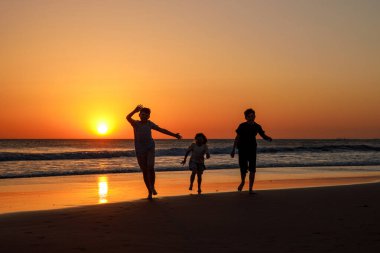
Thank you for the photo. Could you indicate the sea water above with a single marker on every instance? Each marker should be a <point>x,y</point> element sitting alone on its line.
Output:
<point>40,158</point>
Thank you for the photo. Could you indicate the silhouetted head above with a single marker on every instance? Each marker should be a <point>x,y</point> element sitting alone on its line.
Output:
<point>200,139</point>
<point>144,114</point>
<point>250,114</point>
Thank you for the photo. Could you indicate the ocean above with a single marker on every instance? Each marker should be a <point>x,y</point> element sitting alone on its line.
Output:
<point>42,158</point>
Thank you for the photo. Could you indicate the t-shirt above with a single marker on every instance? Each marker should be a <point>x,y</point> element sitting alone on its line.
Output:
<point>247,135</point>
<point>143,135</point>
<point>198,152</point>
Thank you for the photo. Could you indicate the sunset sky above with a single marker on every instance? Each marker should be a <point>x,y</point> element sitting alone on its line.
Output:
<point>310,69</point>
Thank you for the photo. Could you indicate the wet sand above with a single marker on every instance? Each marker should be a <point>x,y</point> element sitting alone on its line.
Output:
<point>30,194</point>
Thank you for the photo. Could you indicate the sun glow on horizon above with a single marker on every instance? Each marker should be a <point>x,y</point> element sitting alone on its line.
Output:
<point>102,128</point>
<point>102,125</point>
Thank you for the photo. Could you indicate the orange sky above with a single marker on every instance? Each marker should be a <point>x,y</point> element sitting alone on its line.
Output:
<point>310,69</point>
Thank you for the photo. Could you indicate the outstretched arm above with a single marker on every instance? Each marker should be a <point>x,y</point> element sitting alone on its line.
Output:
<point>184,159</point>
<point>207,152</point>
<point>234,147</point>
<point>129,116</point>
<point>265,137</point>
<point>167,132</point>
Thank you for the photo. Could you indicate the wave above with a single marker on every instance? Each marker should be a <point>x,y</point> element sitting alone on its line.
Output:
<point>18,156</point>
<point>321,148</point>
<point>14,156</point>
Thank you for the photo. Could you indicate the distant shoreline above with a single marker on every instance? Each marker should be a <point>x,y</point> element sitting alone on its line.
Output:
<point>182,169</point>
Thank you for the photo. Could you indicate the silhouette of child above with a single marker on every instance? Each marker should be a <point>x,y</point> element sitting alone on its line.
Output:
<point>246,143</point>
<point>145,146</point>
<point>198,150</point>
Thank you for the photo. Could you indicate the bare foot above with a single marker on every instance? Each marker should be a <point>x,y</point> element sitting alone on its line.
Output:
<point>199,191</point>
<point>191,188</point>
<point>252,192</point>
<point>154,191</point>
<point>240,187</point>
<point>150,196</point>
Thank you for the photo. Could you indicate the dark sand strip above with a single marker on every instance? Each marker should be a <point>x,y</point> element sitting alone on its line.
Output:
<point>325,219</point>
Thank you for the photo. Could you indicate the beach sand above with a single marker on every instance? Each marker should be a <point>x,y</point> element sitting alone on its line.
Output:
<point>320,219</point>
<point>324,219</point>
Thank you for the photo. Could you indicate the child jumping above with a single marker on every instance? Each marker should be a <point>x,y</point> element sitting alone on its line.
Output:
<point>246,143</point>
<point>145,146</point>
<point>197,162</point>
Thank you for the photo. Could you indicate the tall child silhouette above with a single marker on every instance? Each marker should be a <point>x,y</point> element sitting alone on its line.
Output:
<point>145,146</point>
<point>246,143</point>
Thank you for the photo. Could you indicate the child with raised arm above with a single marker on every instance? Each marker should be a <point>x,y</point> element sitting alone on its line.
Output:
<point>246,143</point>
<point>145,146</point>
<point>198,150</point>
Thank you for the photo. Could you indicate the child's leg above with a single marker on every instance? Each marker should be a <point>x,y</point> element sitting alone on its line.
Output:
<point>242,175</point>
<point>152,176</point>
<point>199,177</point>
<point>243,164</point>
<point>251,181</point>
<point>142,161</point>
<point>151,172</point>
<point>192,177</point>
<point>252,171</point>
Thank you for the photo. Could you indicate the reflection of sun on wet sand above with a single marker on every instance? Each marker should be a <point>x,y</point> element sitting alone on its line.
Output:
<point>103,189</point>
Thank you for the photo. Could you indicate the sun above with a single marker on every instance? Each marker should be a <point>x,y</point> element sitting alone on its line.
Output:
<point>102,128</point>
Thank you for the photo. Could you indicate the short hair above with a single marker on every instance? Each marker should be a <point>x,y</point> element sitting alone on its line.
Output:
<point>249,111</point>
<point>145,110</point>
<point>202,136</point>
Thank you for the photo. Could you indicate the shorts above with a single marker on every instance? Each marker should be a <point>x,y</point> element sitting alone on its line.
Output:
<point>247,161</point>
<point>196,167</point>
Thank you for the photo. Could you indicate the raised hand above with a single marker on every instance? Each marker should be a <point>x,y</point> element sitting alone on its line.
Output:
<point>178,136</point>
<point>138,108</point>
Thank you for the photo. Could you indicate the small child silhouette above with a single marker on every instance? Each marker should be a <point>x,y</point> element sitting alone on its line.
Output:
<point>198,150</point>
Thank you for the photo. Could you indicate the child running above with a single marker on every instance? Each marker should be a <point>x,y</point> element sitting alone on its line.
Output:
<point>246,143</point>
<point>145,146</point>
<point>197,161</point>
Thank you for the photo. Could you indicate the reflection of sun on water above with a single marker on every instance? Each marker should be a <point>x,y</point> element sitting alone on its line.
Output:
<point>103,189</point>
